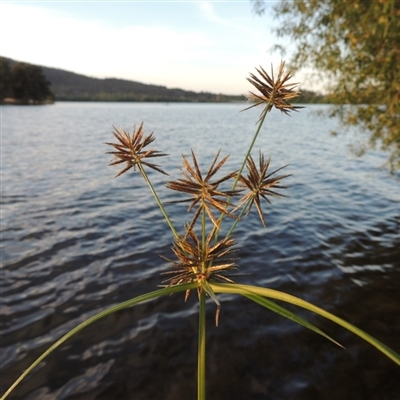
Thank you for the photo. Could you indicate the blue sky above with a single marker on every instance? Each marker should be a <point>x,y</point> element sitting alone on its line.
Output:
<point>194,45</point>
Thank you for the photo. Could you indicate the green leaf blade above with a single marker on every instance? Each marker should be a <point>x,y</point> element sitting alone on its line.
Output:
<point>91,320</point>
<point>277,295</point>
<point>289,315</point>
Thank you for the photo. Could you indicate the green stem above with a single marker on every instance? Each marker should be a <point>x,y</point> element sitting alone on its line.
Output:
<point>264,113</point>
<point>260,124</point>
<point>201,356</point>
<point>160,204</point>
<point>203,239</point>
<point>244,209</point>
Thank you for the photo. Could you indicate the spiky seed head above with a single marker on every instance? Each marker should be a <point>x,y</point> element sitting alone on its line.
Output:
<point>205,191</point>
<point>195,262</point>
<point>261,184</point>
<point>131,149</point>
<point>273,92</point>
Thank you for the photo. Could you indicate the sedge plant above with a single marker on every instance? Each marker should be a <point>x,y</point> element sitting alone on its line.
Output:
<point>204,258</point>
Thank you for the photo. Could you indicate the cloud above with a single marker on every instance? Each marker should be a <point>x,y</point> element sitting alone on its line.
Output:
<point>236,23</point>
<point>213,56</point>
<point>209,13</point>
<point>51,38</point>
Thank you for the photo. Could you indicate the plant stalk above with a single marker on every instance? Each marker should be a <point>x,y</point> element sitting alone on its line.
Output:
<point>264,113</point>
<point>260,124</point>
<point>160,204</point>
<point>201,355</point>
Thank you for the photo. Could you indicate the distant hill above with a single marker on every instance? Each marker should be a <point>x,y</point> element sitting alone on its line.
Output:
<point>69,86</point>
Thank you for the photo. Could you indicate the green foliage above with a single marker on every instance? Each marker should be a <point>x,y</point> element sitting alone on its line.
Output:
<point>310,97</point>
<point>5,79</point>
<point>355,46</point>
<point>29,83</point>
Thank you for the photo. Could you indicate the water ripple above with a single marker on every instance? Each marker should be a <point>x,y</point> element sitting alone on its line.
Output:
<point>76,241</point>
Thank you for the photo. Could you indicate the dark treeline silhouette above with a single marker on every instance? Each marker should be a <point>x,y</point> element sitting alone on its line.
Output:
<point>23,83</point>
<point>74,87</point>
<point>69,86</point>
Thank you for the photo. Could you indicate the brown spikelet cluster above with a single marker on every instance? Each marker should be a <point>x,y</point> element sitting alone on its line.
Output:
<point>205,192</point>
<point>260,183</point>
<point>196,263</point>
<point>208,258</point>
<point>273,92</point>
<point>131,149</point>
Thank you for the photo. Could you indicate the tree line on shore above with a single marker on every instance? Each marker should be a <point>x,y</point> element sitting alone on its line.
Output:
<point>27,83</point>
<point>23,83</point>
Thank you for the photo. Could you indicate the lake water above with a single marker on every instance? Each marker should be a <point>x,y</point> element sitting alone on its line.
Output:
<point>75,241</point>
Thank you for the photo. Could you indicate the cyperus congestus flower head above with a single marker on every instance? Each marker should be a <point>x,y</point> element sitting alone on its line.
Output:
<point>273,91</point>
<point>196,262</point>
<point>201,261</point>
<point>204,191</point>
<point>132,149</point>
<point>261,184</point>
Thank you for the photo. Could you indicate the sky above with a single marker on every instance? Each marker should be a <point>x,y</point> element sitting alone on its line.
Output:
<point>193,45</point>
